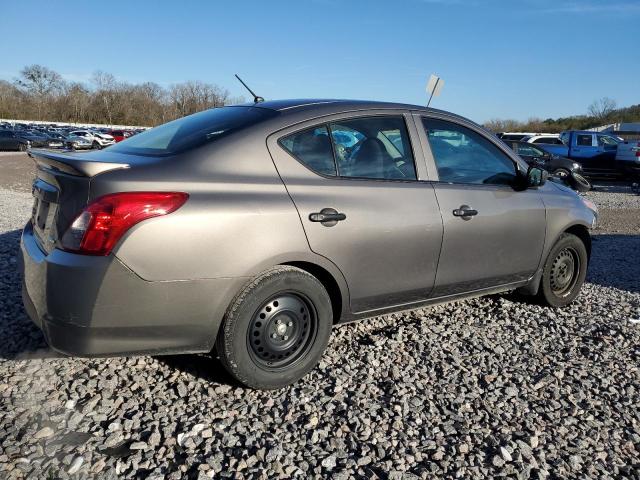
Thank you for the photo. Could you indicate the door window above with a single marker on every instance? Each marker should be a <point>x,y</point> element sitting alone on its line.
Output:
<point>548,140</point>
<point>312,147</point>
<point>529,150</point>
<point>584,140</point>
<point>464,156</point>
<point>374,147</point>
<point>605,140</point>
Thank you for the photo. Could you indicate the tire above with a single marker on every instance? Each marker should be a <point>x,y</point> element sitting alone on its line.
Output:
<point>579,183</point>
<point>96,145</point>
<point>22,147</point>
<point>564,272</point>
<point>286,302</point>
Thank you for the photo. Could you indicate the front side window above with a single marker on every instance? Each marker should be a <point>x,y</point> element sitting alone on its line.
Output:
<point>465,156</point>
<point>371,147</point>
<point>606,140</point>
<point>529,150</point>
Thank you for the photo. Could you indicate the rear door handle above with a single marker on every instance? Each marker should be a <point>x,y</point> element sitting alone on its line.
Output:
<point>327,216</point>
<point>465,211</point>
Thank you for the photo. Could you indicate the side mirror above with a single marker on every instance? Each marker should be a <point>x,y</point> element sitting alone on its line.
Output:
<point>536,177</point>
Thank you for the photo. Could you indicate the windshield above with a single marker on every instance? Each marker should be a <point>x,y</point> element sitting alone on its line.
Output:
<point>193,131</point>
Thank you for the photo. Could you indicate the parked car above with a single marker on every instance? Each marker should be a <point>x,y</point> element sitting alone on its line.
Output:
<point>76,142</point>
<point>9,140</point>
<point>36,140</point>
<point>628,159</point>
<point>545,139</point>
<point>55,139</point>
<point>249,230</point>
<point>119,135</point>
<point>514,136</point>
<point>595,151</point>
<point>98,140</point>
<point>567,170</point>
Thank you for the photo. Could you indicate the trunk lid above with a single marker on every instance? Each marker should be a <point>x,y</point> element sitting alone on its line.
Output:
<point>61,190</point>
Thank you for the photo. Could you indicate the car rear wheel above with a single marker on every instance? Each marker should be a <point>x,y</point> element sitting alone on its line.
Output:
<point>276,329</point>
<point>22,147</point>
<point>96,145</point>
<point>564,271</point>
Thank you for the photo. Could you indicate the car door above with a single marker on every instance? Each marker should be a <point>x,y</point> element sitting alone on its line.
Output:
<point>493,234</point>
<point>584,148</point>
<point>357,189</point>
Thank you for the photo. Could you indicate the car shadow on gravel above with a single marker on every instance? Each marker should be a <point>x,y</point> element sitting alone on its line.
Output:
<point>615,262</point>
<point>19,337</point>
<point>205,366</point>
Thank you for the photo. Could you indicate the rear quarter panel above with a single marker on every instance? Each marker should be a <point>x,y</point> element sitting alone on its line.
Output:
<point>237,222</point>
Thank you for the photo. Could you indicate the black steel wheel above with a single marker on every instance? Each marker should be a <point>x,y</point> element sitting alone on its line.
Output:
<point>282,330</point>
<point>564,271</point>
<point>276,328</point>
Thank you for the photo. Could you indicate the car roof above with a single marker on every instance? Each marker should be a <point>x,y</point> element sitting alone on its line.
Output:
<point>315,107</point>
<point>338,105</point>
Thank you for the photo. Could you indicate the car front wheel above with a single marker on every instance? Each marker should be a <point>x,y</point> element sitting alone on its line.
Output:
<point>564,271</point>
<point>276,329</point>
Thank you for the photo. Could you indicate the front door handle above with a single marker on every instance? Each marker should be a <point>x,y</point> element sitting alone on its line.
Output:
<point>465,212</point>
<point>327,216</point>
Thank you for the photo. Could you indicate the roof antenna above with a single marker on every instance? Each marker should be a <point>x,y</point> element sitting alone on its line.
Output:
<point>256,98</point>
<point>434,87</point>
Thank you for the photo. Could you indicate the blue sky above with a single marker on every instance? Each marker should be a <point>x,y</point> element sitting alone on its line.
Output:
<point>499,59</point>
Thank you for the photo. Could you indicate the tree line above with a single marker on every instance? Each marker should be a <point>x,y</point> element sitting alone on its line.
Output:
<point>40,93</point>
<point>600,112</point>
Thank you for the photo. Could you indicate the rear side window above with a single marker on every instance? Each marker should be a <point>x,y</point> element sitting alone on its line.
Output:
<point>375,147</point>
<point>584,140</point>
<point>313,148</point>
<point>193,131</point>
<point>464,156</point>
<point>371,147</point>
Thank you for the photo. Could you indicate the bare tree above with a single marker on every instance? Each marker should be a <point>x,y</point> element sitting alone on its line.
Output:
<point>41,92</point>
<point>602,109</point>
<point>40,82</point>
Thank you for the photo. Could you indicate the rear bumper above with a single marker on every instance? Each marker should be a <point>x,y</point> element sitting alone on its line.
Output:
<point>96,306</point>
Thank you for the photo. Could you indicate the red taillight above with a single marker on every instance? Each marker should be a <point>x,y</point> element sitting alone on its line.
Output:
<point>105,220</point>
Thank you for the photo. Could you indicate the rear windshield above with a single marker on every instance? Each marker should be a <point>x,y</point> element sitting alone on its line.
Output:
<point>193,131</point>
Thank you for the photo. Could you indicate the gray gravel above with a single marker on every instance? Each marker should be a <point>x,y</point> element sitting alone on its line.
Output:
<point>489,387</point>
<point>614,196</point>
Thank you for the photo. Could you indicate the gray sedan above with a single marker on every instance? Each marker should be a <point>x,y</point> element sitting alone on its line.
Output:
<point>251,230</point>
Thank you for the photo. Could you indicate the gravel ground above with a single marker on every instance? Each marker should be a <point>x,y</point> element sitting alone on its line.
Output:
<point>490,387</point>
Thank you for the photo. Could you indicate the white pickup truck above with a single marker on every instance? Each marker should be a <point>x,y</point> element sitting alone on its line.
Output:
<point>628,159</point>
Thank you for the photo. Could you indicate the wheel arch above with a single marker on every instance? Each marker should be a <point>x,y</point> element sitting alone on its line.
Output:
<point>328,281</point>
<point>582,233</point>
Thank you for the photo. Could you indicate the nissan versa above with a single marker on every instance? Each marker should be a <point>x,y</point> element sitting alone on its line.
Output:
<point>250,230</point>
